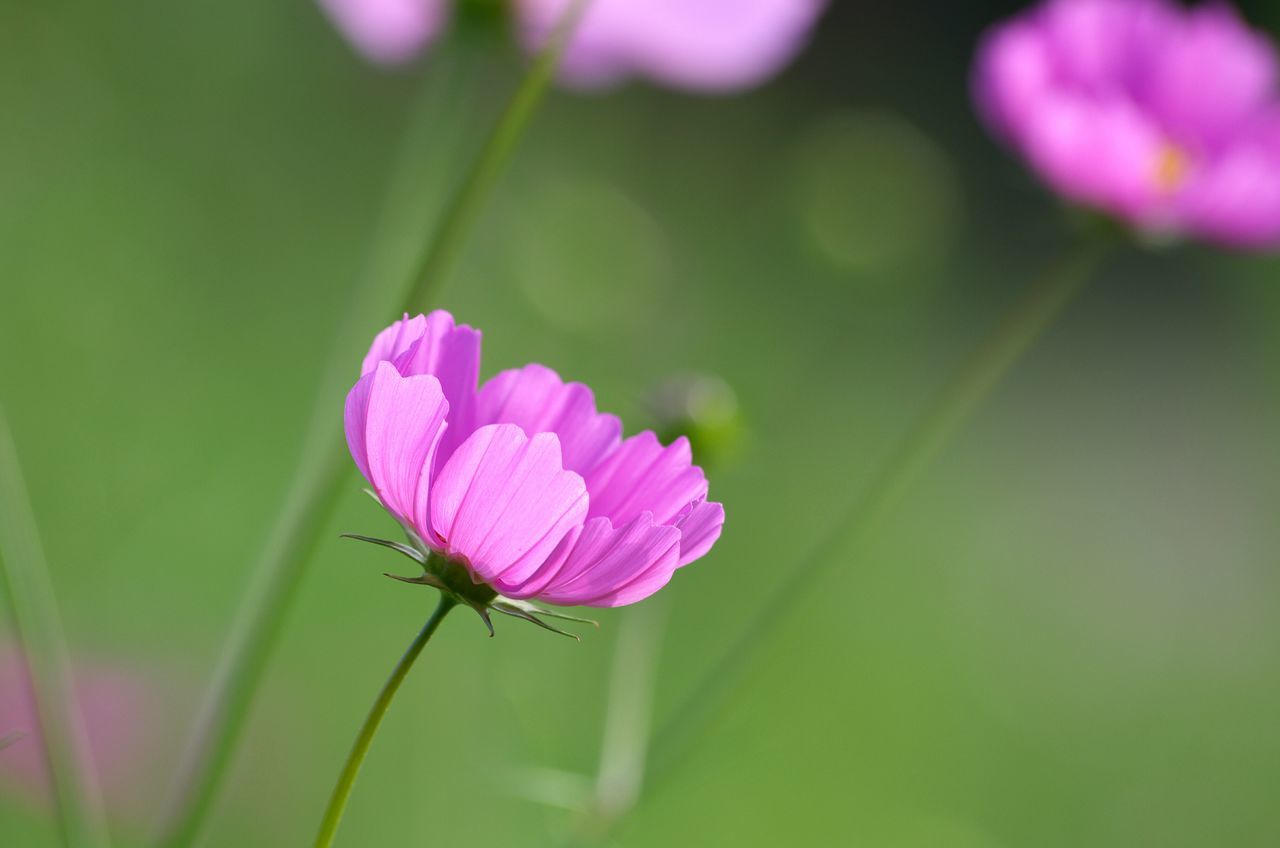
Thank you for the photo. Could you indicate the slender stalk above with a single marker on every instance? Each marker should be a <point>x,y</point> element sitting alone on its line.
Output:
<point>81,815</point>
<point>625,743</point>
<point>317,485</point>
<point>932,432</point>
<point>492,160</point>
<point>626,728</point>
<point>351,769</point>
<point>1025,322</point>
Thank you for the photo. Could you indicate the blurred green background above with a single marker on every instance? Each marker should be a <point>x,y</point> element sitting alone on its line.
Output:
<point>1068,635</point>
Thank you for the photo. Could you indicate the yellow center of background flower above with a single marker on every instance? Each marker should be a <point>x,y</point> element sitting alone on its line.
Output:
<point>1171,168</point>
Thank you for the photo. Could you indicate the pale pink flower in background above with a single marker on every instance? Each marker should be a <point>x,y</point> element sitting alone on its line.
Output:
<point>388,31</point>
<point>123,713</point>
<point>1164,116</point>
<point>704,45</point>
<point>521,482</point>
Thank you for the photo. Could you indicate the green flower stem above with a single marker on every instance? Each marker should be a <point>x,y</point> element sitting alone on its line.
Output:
<point>29,588</point>
<point>626,726</point>
<point>317,484</point>
<point>321,477</point>
<point>492,160</point>
<point>351,769</point>
<point>944,418</point>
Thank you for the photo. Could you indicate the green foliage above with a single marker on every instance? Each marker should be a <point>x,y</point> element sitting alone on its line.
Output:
<point>1067,635</point>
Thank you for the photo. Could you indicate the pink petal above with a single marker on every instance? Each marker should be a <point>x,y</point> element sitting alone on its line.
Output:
<point>434,344</point>
<point>1101,46</point>
<point>596,566</point>
<point>451,353</point>
<point>642,475</point>
<point>709,45</point>
<point>1210,75</point>
<point>354,415</point>
<point>123,707</point>
<point>638,589</point>
<point>431,344</point>
<point>600,566</point>
<point>699,530</point>
<point>1103,152</point>
<point>393,341</point>
<point>387,31</point>
<point>1013,70</point>
<point>503,502</point>
<point>535,399</point>
<point>1235,199</point>
<point>1143,109</point>
<point>393,425</point>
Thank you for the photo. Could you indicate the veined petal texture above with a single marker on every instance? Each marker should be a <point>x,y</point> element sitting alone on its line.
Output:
<point>504,501</point>
<point>393,426</point>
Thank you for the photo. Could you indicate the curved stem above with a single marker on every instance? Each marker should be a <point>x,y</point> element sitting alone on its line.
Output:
<point>351,769</point>
<point>951,409</point>
<point>626,725</point>
<point>318,483</point>
<point>38,623</point>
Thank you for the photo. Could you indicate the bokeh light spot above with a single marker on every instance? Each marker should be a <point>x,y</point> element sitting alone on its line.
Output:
<point>875,193</point>
<point>588,257</point>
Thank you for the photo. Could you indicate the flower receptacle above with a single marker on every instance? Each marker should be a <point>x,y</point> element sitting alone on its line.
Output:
<point>454,580</point>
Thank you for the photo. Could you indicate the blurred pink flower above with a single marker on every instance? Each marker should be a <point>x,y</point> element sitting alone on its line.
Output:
<point>1165,117</point>
<point>388,31</point>
<point>706,45</point>
<point>522,482</point>
<point>123,719</point>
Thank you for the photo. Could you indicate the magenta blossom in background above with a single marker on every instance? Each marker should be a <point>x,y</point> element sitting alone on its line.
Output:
<point>389,31</point>
<point>123,711</point>
<point>521,482</point>
<point>705,45</point>
<point>1164,116</point>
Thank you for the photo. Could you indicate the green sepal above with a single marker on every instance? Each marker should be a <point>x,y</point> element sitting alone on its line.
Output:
<point>453,579</point>
<point>550,613</point>
<point>517,612</point>
<point>412,553</point>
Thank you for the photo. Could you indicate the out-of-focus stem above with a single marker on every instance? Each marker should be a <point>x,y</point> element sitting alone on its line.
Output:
<point>322,471</point>
<point>627,718</point>
<point>950,410</point>
<point>351,769</point>
<point>942,420</point>
<point>34,607</point>
<point>491,161</point>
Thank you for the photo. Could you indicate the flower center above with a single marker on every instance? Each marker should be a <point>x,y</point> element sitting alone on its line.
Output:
<point>1171,168</point>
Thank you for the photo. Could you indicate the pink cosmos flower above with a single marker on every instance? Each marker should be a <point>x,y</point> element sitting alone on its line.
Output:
<point>1163,116</point>
<point>124,721</point>
<point>522,482</point>
<point>706,45</point>
<point>388,31</point>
